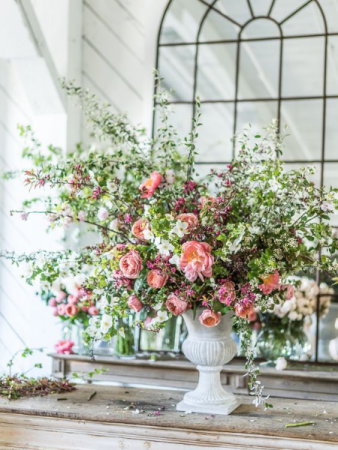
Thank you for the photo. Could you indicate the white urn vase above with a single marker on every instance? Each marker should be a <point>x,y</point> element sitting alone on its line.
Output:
<point>209,348</point>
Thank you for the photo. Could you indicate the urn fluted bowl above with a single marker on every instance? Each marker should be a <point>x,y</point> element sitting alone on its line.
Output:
<point>209,348</point>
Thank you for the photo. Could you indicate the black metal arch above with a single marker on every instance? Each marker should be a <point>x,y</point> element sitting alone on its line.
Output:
<point>239,41</point>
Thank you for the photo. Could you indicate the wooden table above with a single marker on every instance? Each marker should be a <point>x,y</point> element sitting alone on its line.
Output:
<point>300,380</point>
<point>109,421</point>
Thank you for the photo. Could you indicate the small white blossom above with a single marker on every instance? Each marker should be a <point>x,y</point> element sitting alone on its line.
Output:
<point>164,247</point>
<point>281,363</point>
<point>162,316</point>
<point>175,260</point>
<point>106,323</point>
<point>180,228</point>
<point>148,234</point>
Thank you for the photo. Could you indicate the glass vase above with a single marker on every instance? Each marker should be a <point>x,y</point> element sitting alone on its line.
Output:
<point>283,340</point>
<point>73,332</point>
<point>125,346</point>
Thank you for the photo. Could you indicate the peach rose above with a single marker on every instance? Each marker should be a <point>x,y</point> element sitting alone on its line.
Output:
<point>149,186</point>
<point>138,228</point>
<point>196,260</point>
<point>190,219</point>
<point>156,279</point>
<point>270,282</point>
<point>52,301</point>
<point>134,303</point>
<point>93,311</point>
<point>245,311</point>
<point>208,199</point>
<point>131,264</point>
<point>71,310</point>
<point>72,299</point>
<point>175,305</point>
<point>61,309</point>
<point>290,290</point>
<point>61,296</point>
<point>210,318</point>
<point>64,347</point>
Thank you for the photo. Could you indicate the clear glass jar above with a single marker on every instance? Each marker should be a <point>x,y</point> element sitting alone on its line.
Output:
<point>125,346</point>
<point>288,340</point>
<point>73,332</point>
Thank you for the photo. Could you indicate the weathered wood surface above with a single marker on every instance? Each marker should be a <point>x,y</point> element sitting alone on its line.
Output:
<point>300,381</point>
<point>109,421</point>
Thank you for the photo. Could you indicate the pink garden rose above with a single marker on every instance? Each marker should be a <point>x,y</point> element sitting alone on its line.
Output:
<point>72,299</point>
<point>93,311</point>
<point>210,318</point>
<point>52,301</point>
<point>190,219</point>
<point>55,312</point>
<point>71,310</point>
<point>290,290</point>
<point>61,296</point>
<point>270,282</point>
<point>208,199</point>
<point>61,309</point>
<point>149,186</point>
<point>138,228</point>
<point>156,279</point>
<point>134,303</point>
<point>227,293</point>
<point>245,311</point>
<point>196,260</point>
<point>175,305</point>
<point>131,264</point>
<point>64,347</point>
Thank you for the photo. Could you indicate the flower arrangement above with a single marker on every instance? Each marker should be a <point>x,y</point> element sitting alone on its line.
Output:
<point>71,302</point>
<point>172,241</point>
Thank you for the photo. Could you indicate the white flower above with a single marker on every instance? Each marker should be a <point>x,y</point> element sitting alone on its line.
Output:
<point>164,247</point>
<point>103,213</point>
<point>175,260</point>
<point>158,306</point>
<point>327,206</point>
<point>106,323</point>
<point>162,316</point>
<point>146,210</point>
<point>91,331</point>
<point>170,176</point>
<point>293,315</point>
<point>26,270</point>
<point>274,185</point>
<point>114,224</point>
<point>148,234</point>
<point>281,363</point>
<point>180,228</point>
<point>255,230</point>
<point>235,246</point>
<point>111,186</point>
<point>93,321</point>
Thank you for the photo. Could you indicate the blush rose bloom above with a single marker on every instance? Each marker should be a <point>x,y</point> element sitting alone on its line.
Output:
<point>290,290</point>
<point>138,228</point>
<point>131,264</point>
<point>134,303</point>
<point>196,260</point>
<point>210,318</point>
<point>245,311</point>
<point>156,279</point>
<point>175,305</point>
<point>64,347</point>
<point>93,311</point>
<point>270,282</point>
<point>149,186</point>
<point>71,310</point>
<point>61,309</point>
<point>190,219</point>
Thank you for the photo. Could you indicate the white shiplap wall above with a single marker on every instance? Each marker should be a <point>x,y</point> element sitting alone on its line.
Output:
<point>109,46</point>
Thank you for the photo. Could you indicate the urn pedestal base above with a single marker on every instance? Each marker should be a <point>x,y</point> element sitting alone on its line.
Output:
<point>209,397</point>
<point>209,348</point>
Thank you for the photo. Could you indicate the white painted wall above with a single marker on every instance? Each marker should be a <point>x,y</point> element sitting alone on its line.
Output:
<point>108,46</point>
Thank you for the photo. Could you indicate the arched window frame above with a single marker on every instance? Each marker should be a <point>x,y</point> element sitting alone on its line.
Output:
<point>212,6</point>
